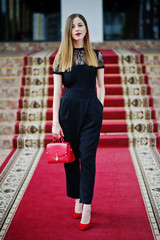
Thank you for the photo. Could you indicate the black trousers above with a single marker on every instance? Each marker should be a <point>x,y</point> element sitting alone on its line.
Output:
<point>81,120</point>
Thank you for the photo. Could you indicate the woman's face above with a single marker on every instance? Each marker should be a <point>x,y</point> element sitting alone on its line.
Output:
<point>78,29</point>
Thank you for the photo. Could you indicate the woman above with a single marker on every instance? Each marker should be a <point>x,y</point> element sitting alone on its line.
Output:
<point>78,115</point>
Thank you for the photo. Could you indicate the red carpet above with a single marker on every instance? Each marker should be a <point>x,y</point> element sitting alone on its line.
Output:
<point>118,211</point>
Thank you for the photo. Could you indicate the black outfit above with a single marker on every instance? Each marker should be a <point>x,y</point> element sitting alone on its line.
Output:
<point>80,117</point>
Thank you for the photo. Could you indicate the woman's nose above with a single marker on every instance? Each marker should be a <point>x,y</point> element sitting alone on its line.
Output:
<point>77,27</point>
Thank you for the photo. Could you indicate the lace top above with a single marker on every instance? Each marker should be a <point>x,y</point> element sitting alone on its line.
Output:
<point>79,59</point>
<point>81,76</point>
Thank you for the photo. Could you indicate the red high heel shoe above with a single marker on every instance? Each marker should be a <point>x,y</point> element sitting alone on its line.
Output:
<point>77,215</point>
<point>84,227</point>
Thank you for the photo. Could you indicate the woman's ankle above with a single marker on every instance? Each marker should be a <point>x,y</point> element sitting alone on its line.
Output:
<point>78,206</point>
<point>86,214</point>
<point>87,207</point>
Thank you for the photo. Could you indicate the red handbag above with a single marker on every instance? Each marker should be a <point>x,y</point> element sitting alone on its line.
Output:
<point>59,152</point>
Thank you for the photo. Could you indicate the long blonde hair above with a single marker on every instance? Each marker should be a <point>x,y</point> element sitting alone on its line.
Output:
<point>64,57</point>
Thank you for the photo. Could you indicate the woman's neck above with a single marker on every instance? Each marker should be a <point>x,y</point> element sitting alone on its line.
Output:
<point>78,44</point>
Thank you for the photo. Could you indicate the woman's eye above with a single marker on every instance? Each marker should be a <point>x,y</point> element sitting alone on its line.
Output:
<point>80,25</point>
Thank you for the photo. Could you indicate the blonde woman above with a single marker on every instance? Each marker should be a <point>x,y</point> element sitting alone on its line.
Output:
<point>78,114</point>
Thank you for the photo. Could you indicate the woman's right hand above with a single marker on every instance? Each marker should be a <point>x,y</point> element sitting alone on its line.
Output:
<point>57,131</point>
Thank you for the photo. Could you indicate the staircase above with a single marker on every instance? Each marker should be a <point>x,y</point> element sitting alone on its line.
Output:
<point>129,104</point>
<point>131,113</point>
<point>11,65</point>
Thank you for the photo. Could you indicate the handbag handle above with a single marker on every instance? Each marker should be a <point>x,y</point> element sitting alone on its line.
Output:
<point>61,139</point>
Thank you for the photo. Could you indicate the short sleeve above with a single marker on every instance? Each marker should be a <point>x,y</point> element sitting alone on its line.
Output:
<point>56,70</point>
<point>100,60</point>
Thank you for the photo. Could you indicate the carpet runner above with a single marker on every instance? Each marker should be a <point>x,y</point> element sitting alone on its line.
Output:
<point>118,209</point>
<point>130,119</point>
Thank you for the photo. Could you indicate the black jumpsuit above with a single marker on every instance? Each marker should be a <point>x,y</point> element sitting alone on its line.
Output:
<point>80,117</point>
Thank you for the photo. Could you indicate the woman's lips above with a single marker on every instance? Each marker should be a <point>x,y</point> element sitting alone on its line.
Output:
<point>77,34</point>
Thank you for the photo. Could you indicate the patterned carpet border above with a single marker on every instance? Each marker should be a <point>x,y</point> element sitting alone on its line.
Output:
<point>146,161</point>
<point>15,183</point>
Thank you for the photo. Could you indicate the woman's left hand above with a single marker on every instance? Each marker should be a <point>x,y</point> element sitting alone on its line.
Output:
<point>57,131</point>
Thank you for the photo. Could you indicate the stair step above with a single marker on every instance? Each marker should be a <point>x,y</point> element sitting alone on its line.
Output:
<point>6,141</point>
<point>7,128</point>
<point>11,71</point>
<point>120,56</point>
<point>109,101</point>
<point>152,59</point>
<point>119,101</point>
<point>38,58</point>
<point>10,81</point>
<point>106,140</point>
<point>110,56</point>
<point>117,140</point>
<point>116,126</point>
<point>153,69</point>
<point>124,127</point>
<point>9,115</point>
<point>37,81</point>
<point>11,92</point>
<point>155,90</point>
<point>8,104</point>
<point>126,79</point>
<point>11,62</point>
<point>109,90</point>
<point>133,69</point>
<point>122,113</point>
<point>154,79</point>
<point>109,69</point>
<point>156,101</point>
<point>123,140</point>
<point>108,79</point>
<point>108,113</point>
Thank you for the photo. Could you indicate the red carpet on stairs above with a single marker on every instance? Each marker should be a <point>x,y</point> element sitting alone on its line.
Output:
<point>127,90</point>
<point>118,211</point>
